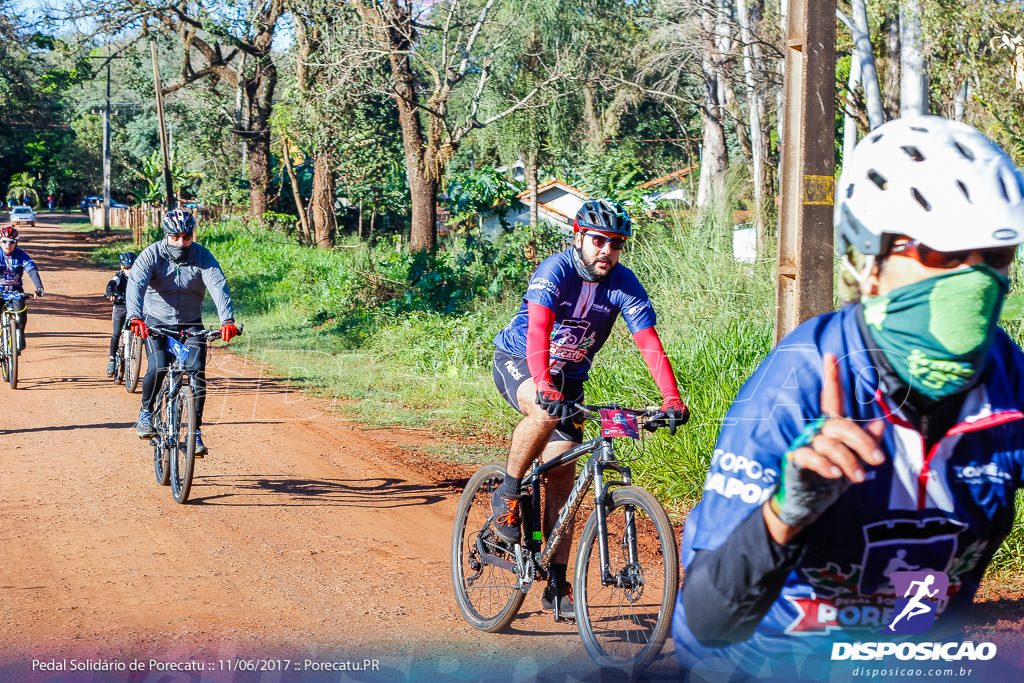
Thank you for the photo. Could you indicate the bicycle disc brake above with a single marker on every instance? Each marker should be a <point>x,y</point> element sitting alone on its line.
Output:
<point>631,580</point>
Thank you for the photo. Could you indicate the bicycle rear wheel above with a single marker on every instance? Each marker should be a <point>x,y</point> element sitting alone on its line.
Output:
<point>624,625</point>
<point>161,454</point>
<point>133,363</point>
<point>183,434</point>
<point>487,594</point>
<point>12,351</point>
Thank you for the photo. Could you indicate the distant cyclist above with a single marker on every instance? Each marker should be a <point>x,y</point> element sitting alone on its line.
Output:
<point>14,263</point>
<point>544,355</point>
<point>882,438</point>
<point>115,293</point>
<point>166,287</point>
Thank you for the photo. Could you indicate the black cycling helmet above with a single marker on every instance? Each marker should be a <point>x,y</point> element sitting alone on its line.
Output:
<point>176,222</point>
<point>605,216</point>
<point>127,258</point>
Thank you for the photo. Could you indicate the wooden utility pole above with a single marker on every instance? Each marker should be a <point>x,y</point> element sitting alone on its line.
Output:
<point>168,187</point>
<point>106,151</point>
<point>804,278</point>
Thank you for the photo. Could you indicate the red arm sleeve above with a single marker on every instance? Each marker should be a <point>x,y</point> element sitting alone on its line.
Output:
<point>650,347</point>
<point>540,320</point>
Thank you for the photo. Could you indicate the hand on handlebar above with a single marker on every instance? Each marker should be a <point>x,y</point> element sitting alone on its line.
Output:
<point>552,401</point>
<point>674,413</point>
<point>228,330</point>
<point>139,328</point>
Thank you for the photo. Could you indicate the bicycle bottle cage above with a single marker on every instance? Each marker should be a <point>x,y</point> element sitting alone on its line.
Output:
<point>180,351</point>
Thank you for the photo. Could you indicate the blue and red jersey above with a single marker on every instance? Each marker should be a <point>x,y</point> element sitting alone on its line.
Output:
<point>13,267</point>
<point>584,312</point>
<point>943,509</point>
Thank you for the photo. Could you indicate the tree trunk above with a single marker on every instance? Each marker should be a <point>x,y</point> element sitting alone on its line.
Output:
<point>913,76</point>
<point>299,205</point>
<point>322,202</point>
<point>257,145</point>
<point>864,56</point>
<point>714,159</point>
<point>850,108</point>
<point>960,101</point>
<point>531,187</point>
<point>359,220</point>
<point>752,57</point>
<point>891,99</point>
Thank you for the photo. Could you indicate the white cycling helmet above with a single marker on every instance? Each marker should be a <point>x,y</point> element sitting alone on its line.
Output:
<point>937,181</point>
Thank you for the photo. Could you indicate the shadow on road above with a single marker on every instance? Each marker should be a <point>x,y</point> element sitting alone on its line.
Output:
<point>282,491</point>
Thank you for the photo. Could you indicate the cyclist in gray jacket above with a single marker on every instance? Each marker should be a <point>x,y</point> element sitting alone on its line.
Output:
<point>166,288</point>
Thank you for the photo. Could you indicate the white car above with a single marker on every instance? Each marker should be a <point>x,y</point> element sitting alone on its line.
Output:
<point>23,215</point>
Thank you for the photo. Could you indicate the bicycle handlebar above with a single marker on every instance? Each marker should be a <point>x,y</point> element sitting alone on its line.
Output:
<point>207,334</point>
<point>655,418</point>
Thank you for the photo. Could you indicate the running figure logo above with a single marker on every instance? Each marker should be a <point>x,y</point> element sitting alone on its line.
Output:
<point>923,595</point>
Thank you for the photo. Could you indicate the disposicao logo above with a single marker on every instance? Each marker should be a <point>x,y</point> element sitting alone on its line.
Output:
<point>922,595</point>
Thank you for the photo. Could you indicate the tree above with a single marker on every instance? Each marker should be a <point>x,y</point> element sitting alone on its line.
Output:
<point>22,187</point>
<point>421,56</point>
<point>227,43</point>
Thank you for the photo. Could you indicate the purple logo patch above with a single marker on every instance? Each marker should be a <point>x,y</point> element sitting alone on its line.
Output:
<point>919,597</point>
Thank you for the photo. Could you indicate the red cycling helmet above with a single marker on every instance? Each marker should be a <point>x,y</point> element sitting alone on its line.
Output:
<point>9,232</point>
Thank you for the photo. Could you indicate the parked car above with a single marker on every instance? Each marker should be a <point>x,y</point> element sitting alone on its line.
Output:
<point>98,202</point>
<point>23,215</point>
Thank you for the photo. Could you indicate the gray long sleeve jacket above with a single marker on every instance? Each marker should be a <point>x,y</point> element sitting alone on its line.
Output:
<point>172,293</point>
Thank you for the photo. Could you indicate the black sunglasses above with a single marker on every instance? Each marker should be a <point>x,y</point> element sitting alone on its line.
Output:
<point>996,257</point>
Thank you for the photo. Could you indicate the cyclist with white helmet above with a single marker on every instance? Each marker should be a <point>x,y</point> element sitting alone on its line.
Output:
<point>875,442</point>
<point>14,263</point>
<point>115,294</point>
<point>166,287</point>
<point>543,357</point>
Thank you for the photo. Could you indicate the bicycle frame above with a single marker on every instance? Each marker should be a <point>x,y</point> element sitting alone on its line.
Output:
<point>9,312</point>
<point>603,459</point>
<point>175,371</point>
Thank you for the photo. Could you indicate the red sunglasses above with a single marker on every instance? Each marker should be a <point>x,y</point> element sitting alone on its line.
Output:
<point>599,240</point>
<point>996,257</point>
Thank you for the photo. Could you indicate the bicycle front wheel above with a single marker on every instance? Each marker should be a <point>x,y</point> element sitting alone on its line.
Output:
<point>6,348</point>
<point>133,363</point>
<point>161,454</point>
<point>488,595</point>
<point>624,623</point>
<point>12,351</point>
<point>183,434</point>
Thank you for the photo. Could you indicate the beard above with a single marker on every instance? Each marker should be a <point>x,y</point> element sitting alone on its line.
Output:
<point>590,266</point>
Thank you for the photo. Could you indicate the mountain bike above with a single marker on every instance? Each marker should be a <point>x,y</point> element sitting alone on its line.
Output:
<point>174,414</point>
<point>128,359</point>
<point>627,563</point>
<point>11,336</point>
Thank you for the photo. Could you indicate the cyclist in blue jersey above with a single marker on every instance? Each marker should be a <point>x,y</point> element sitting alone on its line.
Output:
<point>14,263</point>
<point>544,354</point>
<point>116,294</point>
<point>877,448</point>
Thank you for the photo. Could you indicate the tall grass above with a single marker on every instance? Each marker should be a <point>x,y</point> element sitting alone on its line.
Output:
<point>364,323</point>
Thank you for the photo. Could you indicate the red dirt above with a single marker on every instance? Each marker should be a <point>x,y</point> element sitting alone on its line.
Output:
<point>306,536</point>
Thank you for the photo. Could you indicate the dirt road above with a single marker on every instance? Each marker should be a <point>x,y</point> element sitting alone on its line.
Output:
<point>306,537</point>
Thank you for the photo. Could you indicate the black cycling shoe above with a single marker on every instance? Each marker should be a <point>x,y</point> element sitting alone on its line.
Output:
<point>566,606</point>
<point>507,515</point>
<point>110,368</point>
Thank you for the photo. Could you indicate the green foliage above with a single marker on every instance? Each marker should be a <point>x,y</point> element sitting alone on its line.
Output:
<point>472,193</point>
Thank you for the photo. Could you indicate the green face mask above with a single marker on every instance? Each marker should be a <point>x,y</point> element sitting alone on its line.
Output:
<point>937,332</point>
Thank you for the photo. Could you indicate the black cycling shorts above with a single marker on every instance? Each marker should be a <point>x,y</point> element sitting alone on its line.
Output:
<point>511,371</point>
